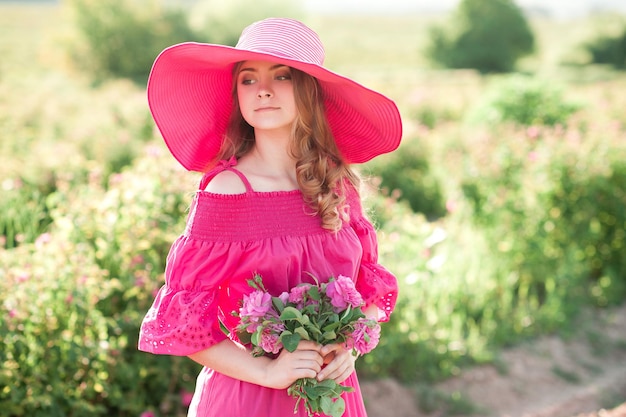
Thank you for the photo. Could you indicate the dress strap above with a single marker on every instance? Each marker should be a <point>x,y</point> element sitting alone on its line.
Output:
<point>221,166</point>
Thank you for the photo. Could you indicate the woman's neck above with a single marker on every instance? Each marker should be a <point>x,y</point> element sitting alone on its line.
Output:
<point>269,166</point>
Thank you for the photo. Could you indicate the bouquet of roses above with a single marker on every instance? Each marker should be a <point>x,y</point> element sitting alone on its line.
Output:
<point>324,313</point>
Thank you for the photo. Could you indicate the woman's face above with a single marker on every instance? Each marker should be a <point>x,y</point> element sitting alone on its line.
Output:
<point>265,94</point>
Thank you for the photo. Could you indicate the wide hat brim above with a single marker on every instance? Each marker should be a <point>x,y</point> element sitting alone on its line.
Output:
<point>190,97</point>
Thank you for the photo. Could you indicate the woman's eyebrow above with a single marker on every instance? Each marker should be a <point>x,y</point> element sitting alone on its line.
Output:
<point>252,69</point>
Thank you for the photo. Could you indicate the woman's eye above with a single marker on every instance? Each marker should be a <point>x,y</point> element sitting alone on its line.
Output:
<point>283,77</point>
<point>246,81</point>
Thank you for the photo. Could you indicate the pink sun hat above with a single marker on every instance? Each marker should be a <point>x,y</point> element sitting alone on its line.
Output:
<point>190,94</point>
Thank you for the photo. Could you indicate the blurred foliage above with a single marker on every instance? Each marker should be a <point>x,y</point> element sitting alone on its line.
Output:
<point>406,175</point>
<point>55,351</point>
<point>607,49</point>
<point>588,223</point>
<point>554,219</point>
<point>122,39</point>
<point>523,100</point>
<point>486,35</point>
<point>73,300</point>
<point>497,233</point>
<point>24,214</point>
<point>534,233</point>
<point>221,22</point>
<point>55,121</point>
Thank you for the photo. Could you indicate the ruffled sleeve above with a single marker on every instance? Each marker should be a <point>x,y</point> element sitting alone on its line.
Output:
<point>375,283</point>
<point>183,318</point>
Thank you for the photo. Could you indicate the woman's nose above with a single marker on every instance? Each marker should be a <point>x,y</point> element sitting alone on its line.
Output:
<point>264,91</point>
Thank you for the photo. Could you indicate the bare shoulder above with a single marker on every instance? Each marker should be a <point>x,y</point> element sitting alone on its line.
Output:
<point>226,182</point>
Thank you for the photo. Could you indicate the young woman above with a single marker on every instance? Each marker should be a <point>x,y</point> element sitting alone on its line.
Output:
<point>273,132</point>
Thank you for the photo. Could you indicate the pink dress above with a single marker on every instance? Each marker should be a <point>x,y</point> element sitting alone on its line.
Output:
<point>227,239</point>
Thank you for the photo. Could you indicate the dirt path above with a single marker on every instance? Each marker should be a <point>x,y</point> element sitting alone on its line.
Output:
<point>550,377</point>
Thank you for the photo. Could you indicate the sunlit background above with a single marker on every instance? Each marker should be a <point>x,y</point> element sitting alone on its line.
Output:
<point>503,214</point>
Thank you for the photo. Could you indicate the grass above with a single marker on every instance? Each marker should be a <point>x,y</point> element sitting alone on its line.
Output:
<point>25,39</point>
<point>564,374</point>
<point>431,400</point>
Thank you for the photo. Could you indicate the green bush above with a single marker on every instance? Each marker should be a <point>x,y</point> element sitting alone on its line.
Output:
<point>405,350</point>
<point>24,214</point>
<point>122,39</point>
<point>525,101</point>
<point>609,50</point>
<point>63,354</point>
<point>131,223</point>
<point>486,35</point>
<point>556,223</point>
<point>72,302</point>
<point>589,222</point>
<point>406,173</point>
<point>542,287</point>
<point>56,348</point>
<point>450,302</point>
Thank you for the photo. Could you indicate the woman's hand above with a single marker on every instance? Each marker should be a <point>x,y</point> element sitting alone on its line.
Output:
<point>339,363</point>
<point>304,362</point>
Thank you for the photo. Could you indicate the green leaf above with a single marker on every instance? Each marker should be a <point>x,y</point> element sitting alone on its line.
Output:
<point>336,408</point>
<point>290,313</point>
<point>302,332</point>
<point>312,406</point>
<point>256,338</point>
<point>290,341</point>
<point>314,293</point>
<point>329,335</point>
<point>313,329</point>
<point>331,326</point>
<point>278,304</point>
<point>244,337</point>
<point>317,391</point>
<point>223,328</point>
<point>326,405</point>
<point>346,313</point>
<point>258,283</point>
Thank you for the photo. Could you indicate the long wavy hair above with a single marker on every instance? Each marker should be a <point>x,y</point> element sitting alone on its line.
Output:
<point>321,172</point>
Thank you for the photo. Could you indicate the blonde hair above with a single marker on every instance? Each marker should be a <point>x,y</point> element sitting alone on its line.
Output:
<point>321,173</point>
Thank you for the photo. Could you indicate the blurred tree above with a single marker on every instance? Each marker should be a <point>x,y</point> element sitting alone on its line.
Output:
<point>523,100</point>
<point>609,50</point>
<point>118,39</point>
<point>487,35</point>
<point>121,39</point>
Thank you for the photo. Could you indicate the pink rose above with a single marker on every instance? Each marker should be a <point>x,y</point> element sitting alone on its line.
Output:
<point>365,336</point>
<point>255,306</point>
<point>185,397</point>
<point>284,297</point>
<point>343,293</point>
<point>270,341</point>
<point>296,295</point>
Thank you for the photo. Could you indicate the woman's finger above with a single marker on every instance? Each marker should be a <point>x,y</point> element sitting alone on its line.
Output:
<point>339,368</point>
